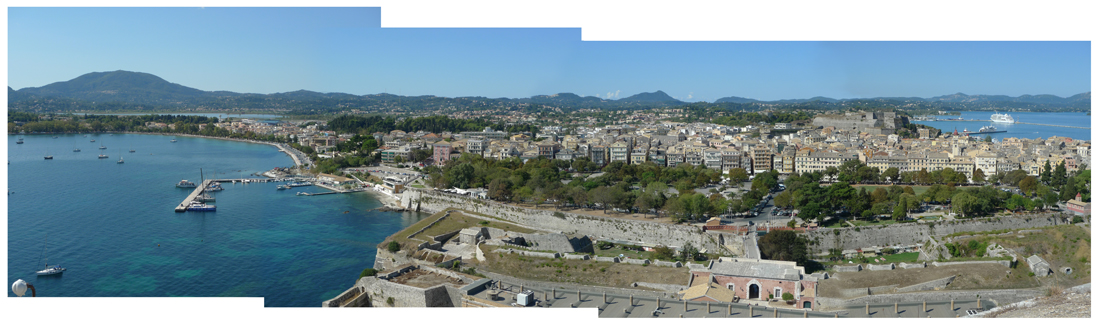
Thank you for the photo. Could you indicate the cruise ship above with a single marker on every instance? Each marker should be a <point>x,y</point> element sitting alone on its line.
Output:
<point>1002,118</point>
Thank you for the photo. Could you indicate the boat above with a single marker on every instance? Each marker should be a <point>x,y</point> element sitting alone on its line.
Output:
<point>48,156</point>
<point>75,149</point>
<point>990,129</point>
<point>54,137</point>
<point>120,158</point>
<point>56,269</point>
<point>103,156</point>
<point>184,183</point>
<point>20,141</point>
<point>199,205</point>
<point>214,187</point>
<point>173,140</point>
<point>132,149</point>
<point>282,187</point>
<point>93,141</point>
<point>1002,118</point>
<point>299,184</point>
<point>101,147</point>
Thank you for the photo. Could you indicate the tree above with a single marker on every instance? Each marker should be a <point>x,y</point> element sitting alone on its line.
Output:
<point>393,246</point>
<point>644,202</point>
<point>1059,177</point>
<point>1028,185</point>
<point>979,176</point>
<point>988,139</point>
<point>738,175</point>
<point>1044,176</point>
<point>368,272</point>
<point>688,252</point>
<point>892,174</point>
<point>500,189</point>
<point>784,245</point>
<point>1069,189</point>
<point>792,223</point>
<point>783,199</point>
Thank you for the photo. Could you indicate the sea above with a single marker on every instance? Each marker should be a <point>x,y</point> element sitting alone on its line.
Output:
<point>113,226</point>
<point>1021,129</point>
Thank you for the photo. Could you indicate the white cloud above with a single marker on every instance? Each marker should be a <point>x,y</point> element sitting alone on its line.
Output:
<point>613,95</point>
<point>690,94</point>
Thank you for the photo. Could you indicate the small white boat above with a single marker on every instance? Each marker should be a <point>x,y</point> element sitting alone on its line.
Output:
<point>103,156</point>
<point>184,183</point>
<point>56,269</point>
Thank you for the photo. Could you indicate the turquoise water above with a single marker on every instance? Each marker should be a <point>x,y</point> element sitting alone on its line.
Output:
<point>1021,130</point>
<point>105,221</point>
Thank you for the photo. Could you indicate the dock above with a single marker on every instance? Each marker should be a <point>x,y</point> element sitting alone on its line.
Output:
<point>191,197</point>
<point>1050,125</point>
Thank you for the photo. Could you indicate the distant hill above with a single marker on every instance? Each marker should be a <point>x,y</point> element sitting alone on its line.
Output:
<point>134,91</point>
<point>118,86</point>
<point>735,99</point>
<point>653,97</point>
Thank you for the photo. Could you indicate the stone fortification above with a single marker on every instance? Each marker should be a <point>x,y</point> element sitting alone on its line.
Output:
<point>871,122</point>
<point>848,268</point>
<point>930,285</point>
<point>529,253</point>
<point>641,232</point>
<point>918,233</point>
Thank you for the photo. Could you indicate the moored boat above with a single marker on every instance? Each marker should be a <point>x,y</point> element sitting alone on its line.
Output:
<point>184,183</point>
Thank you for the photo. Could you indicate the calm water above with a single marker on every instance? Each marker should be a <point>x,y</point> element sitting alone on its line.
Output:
<point>1020,130</point>
<point>105,221</point>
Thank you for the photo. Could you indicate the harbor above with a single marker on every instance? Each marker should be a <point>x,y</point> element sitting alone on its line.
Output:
<point>182,207</point>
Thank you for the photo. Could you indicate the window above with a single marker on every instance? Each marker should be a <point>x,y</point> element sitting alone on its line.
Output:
<point>778,292</point>
<point>730,286</point>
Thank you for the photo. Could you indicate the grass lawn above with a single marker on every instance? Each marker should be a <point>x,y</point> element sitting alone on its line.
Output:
<point>907,257</point>
<point>417,186</point>
<point>456,221</point>
<point>615,251</point>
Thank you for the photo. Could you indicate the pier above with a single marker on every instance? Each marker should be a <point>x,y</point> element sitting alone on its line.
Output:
<point>191,197</point>
<point>1050,125</point>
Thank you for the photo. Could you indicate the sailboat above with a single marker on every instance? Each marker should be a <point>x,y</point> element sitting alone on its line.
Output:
<point>48,156</point>
<point>131,149</point>
<point>101,147</point>
<point>198,205</point>
<point>75,149</point>
<point>120,157</point>
<point>56,269</point>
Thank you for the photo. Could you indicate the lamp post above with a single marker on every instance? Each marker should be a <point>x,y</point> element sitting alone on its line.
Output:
<point>20,288</point>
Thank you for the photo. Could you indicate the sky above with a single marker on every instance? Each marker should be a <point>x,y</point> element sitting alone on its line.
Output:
<point>269,50</point>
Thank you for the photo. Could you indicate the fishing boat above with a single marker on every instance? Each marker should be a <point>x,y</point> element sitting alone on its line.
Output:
<point>185,184</point>
<point>56,269</point>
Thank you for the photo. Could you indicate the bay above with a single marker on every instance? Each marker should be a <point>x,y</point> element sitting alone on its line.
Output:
<point>113,225</point>
<point>1021,129</point>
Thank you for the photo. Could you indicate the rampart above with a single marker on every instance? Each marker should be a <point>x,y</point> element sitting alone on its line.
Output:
<point>823,240</point>
<point>566,223</point>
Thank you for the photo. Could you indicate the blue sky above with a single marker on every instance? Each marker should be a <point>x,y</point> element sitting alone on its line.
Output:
<point>268,50</point>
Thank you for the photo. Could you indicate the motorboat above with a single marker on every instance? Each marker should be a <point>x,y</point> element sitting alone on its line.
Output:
<point>103,156</point>
<point>184,183</point>
<point>282,187</point>
<point>199,206</point>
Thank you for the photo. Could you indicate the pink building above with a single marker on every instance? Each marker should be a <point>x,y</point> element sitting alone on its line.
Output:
<point>753,279</point>
<point>441,152</point>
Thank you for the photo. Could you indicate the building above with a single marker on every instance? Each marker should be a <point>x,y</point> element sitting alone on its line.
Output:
<point>441,152</point>
<point>619,151</point>
<point>476,146</point>
<point>755,279</point>
<point>487,133</point>
<point>1079,207</point>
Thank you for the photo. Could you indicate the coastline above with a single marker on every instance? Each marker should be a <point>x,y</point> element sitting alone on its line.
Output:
<point>282,148</point>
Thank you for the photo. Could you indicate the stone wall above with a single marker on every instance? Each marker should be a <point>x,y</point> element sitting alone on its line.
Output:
<point>882,289</point>
<point>530,253</point>
<point>577,256</point>
<point>880,267</point>
<point>669,264</point>
<point>917,233</point>
<point>404,296</point>
<point>567,223</point>
<point>606,259</point>
<point>915,265</point>
<point>848,268</point>
<point>930,285</point>
<point>1002,262</point>
<point>636,261</point>
<point>660,286</point>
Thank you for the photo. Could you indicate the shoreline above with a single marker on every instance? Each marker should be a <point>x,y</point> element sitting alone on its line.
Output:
<point>281,147</point>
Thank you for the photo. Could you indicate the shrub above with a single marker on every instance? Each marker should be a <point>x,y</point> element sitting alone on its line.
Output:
<point>603,245</point>
<point>770,296</point>
<point>393,246</point>
<point>1031,274</point>
<point>368,272</point>
<point>559,214</point>
<point>389,301</point>
<point>484,222</point>
<point>1077,219</point>
<point>788,296</point>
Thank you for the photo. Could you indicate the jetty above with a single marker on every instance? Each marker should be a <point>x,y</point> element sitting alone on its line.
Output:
<point>191,197</point>
<point>1050,125</point>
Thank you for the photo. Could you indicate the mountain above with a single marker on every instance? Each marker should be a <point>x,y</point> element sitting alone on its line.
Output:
<point>135,91</point>
<point>735,99</point>
<point>118,86</point>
